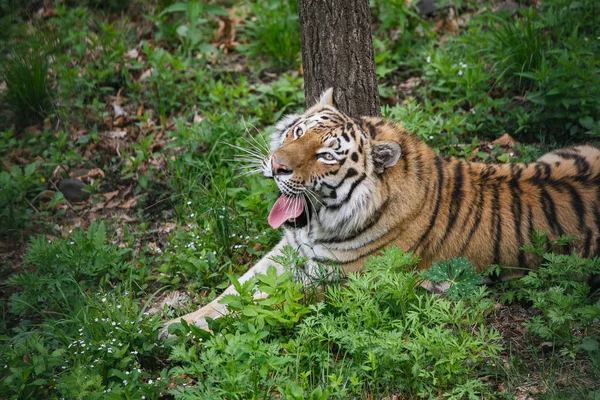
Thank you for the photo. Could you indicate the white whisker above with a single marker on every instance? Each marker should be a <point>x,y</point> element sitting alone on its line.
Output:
<point>254,153</point>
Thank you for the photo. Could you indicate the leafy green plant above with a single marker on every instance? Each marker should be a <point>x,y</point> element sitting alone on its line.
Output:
<point>459,273</point>
<point>192,33</point>
<point>64,269</point>
<point>375,334</point>
<point>558,289</point>
<point>274,34</point>
<point>108,344</point>
<point>19,188</point>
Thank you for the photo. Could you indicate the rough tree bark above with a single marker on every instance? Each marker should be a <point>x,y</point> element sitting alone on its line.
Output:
<point>337,51</point>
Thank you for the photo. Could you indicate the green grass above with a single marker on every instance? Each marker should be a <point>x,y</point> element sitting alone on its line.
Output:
<point>83,278</point>
<point>275,34</point>
<point>29,90</point>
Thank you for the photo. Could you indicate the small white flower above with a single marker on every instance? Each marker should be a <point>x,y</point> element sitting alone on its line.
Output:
<point>511,154</point>
<point>428,59</point>
<point>126,372</point>
<point>104,299</point>
<point>472,111</point>
<point>70,230</point>
<point>96,319</point>
<point>192,215</point>
<point>125,382</point>
<point>150,381</point>
<point>109,349</point>
<point>460,73</point>
<point>586,39</point>
<point>189,202</point>
<point>431,137</point>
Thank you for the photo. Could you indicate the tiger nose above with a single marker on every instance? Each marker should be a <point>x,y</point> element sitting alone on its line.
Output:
<point>279,169</point>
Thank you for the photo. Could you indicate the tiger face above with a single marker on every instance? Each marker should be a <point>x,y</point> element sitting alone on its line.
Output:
<point>326,167</point>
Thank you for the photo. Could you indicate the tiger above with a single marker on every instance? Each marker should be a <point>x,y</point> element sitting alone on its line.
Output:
<point>349,187</point>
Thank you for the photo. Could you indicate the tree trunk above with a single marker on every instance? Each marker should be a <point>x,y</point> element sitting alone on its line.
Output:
<point>337,52</point>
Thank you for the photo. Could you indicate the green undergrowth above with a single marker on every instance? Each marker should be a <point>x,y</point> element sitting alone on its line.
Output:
<point>375,335</point>
<point>175,110</point>
<point>86,330</point>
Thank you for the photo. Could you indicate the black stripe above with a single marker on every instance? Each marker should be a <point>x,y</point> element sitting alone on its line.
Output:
<point>547,169</point>
<point>455,199</point>
<point>580,162</point>
<point>587,244</point>
<point>371,129</point>
<point>515,209</point>
<point>368,225</point>
<point>349,173</point>
<point>438,162</point>
<point>530,229</point>
<point>419,166</point>
<point>597,218</point>
<point>550,212</point>
<point>576,201</point>
<point>368,253</point>
<point>496,222</point>
<point>347,198</point>
<point>480,190</point>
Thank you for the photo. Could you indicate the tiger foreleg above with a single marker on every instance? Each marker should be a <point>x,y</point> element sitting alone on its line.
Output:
<point>214,309</point>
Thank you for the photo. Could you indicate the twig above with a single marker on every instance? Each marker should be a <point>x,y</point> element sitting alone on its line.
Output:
<point>67,200</point>
<point>32,206</point>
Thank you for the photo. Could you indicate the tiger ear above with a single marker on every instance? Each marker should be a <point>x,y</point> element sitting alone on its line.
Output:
<point>326,98</point>
<point>385,155</point>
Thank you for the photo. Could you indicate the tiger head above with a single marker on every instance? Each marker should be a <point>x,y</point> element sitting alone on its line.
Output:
<point>327,167</point>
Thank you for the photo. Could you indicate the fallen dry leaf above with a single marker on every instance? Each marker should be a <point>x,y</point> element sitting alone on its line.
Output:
<point>116,134</point>
<point>132,54</point>
<point>146,74</point>
<point>94,173</point>
<point>506,140</point>
<point>166,228</point>
<point>110,195</point>
<point>130,202</point>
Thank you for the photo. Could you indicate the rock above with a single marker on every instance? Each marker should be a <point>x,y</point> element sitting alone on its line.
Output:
<point>73,189</point>
<point>426,7</point>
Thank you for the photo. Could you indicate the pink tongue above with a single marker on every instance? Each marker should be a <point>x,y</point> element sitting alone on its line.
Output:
<point>284,209</point>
